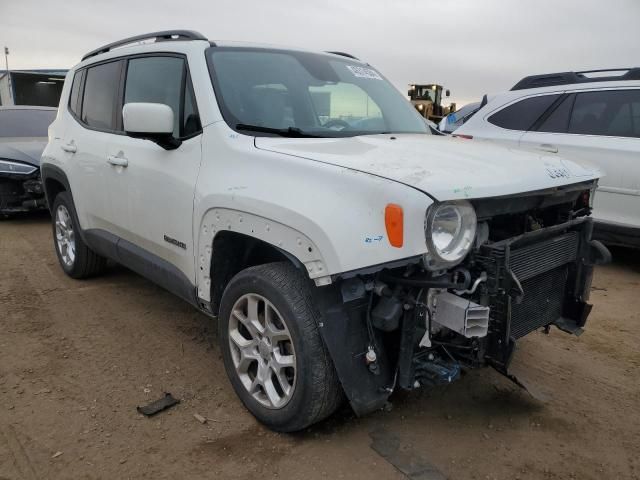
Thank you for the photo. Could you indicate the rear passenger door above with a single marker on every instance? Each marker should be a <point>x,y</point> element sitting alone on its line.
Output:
<point>601,128</point>
<point>92,104</point>
<point>158,184</point>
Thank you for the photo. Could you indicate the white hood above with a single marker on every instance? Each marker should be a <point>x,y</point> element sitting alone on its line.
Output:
<point>445,168</point>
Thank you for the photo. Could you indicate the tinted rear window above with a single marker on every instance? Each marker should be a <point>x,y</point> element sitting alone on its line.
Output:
<point>558,120</point>
<point>25,123</point>
<point>523,114</point>
<point>100,93</point>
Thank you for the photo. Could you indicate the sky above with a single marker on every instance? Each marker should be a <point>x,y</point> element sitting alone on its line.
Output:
<point>471,47</point>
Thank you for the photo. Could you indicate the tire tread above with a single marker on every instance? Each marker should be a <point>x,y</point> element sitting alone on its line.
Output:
<point>325,390</point>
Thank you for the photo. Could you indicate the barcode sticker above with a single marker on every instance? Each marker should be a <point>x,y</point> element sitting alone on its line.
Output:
<point>364,72</point>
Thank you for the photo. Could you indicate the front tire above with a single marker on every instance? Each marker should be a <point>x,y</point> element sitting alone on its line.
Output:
<point>75,257</point>
<point>272,350</point>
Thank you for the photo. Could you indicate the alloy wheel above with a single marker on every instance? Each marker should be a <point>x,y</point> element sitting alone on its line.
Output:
<point>65,236</point>
<point>262,351</point>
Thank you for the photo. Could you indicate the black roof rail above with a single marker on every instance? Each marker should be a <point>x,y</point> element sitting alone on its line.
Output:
<point>163,36</point>
<point>343,54</point>
<point>566,78</point>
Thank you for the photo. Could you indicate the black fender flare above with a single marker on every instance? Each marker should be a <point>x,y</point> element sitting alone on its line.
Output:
<point>53,172</point>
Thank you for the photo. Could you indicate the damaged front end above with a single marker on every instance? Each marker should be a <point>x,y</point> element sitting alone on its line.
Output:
<point>20,188</point>
<point>413,326</point>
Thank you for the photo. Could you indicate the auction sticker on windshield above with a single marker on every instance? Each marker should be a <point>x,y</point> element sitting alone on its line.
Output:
<point>363,72</point>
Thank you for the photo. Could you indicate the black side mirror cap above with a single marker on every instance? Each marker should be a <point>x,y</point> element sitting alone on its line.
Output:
<point>164,140</point>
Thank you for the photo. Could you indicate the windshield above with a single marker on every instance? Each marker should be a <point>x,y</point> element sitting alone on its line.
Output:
<point>305,94</point>
<point>25,122</point>
<point>425,93</point>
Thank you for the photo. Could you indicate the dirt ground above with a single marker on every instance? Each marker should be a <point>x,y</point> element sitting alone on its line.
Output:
<point>77,357</point>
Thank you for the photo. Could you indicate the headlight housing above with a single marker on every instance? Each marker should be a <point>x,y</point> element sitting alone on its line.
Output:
<point>15,168</point>
<point>450,229</point>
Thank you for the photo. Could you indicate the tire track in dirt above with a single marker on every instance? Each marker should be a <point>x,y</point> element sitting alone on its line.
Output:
<point>24,467</point>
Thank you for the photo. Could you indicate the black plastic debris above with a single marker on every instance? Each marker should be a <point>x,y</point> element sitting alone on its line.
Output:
<point>520,373</point>
<point>410,462</point>
<point>159,405</point>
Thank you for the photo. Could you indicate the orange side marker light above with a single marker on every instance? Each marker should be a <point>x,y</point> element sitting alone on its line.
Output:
<point>394,222</point>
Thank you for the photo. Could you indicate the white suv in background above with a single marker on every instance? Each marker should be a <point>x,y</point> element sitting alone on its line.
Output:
<point>591,117</point>
<point>300,199</point>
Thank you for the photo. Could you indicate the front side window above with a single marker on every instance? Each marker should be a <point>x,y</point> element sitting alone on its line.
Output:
<point>266,92</point>
<point>523,114</point>
<point>163,80</point>
<point>609,113</point>
<point>100,93</point>
<point>23,122</point>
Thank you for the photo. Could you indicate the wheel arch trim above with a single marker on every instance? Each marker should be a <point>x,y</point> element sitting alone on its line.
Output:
<point>53,172</point>
<point>296,246</point>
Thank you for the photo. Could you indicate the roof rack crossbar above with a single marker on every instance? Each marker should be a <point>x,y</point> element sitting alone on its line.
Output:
<point>566,78</point>
<point>343,54</point>
<point>166,35</point>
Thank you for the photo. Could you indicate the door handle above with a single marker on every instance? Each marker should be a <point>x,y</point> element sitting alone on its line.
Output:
<point>69,148</point>
<point>547,147</point>
<point>117,161</point>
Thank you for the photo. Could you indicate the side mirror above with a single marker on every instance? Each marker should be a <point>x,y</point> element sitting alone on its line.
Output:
<point>447,93</point>
<point>150,121</point>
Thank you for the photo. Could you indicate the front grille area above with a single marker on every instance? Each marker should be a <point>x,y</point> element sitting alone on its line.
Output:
<point>542,302</point>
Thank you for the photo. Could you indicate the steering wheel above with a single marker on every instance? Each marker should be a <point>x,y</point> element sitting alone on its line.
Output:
<point>336,122</point>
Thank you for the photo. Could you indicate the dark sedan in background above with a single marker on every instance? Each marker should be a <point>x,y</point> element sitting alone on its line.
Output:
<point>23,136</point>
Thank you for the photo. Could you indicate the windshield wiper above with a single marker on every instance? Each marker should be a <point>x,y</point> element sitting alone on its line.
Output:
<point>293,132</point>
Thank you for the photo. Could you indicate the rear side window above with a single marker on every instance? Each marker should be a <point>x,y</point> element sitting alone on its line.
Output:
<point>523,114</point>
<point>100,94</point>
<point>164,80</point>
<point>610,113</point>
<point>74,96</point>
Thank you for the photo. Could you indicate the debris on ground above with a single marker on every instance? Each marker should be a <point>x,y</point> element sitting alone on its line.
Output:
<point>159,405</point>
<point>200,418</point>
<point>408,461</point>
<point>56,455</point>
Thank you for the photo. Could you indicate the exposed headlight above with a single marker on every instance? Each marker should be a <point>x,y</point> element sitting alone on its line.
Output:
<point>16,168</point>
<point>450,229</point>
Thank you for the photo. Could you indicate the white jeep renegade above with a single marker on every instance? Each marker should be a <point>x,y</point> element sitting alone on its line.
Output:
<point>300,199</point>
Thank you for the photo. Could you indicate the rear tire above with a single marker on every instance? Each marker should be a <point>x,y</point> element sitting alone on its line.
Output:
<point>282,330</point>
<point>75,257</point>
